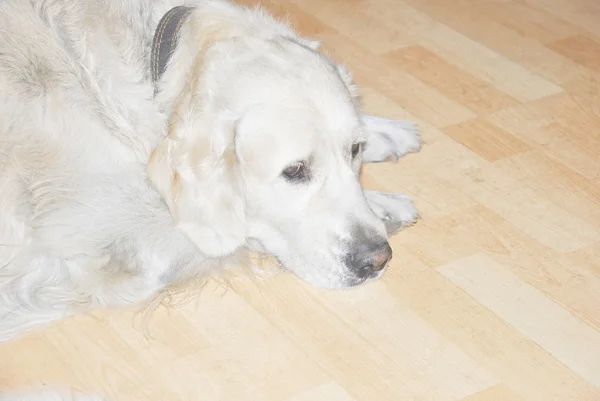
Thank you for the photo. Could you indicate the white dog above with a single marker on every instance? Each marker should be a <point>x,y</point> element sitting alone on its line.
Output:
<point>143,143</point>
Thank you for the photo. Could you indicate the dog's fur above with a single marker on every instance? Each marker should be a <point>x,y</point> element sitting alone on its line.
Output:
<point>109,193</point>
<point>46,394</point>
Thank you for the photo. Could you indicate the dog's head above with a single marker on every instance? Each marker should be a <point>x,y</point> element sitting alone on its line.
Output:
<point>264,151</point>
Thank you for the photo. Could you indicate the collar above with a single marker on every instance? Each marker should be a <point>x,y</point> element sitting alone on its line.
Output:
<point>165,39</point>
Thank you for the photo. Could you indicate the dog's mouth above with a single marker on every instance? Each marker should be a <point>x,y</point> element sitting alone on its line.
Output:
<point>342,280</point>
<point>356,280</point>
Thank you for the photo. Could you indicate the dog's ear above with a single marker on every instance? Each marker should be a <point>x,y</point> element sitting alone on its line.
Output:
<point>310,43</point>
<point>348,79</point>
<point>195,170</point>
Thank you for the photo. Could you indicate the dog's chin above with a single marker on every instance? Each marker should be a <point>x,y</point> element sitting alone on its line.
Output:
<point>347,280</point>
<point>323,279</point>
<point>357,281</point>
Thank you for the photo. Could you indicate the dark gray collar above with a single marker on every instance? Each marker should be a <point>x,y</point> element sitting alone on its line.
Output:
<point>165,39</point>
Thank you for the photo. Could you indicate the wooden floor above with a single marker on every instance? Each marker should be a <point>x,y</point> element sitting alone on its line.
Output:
<point>494,294</point>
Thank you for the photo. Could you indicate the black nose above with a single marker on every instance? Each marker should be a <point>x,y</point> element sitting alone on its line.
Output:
<point>368,259</point>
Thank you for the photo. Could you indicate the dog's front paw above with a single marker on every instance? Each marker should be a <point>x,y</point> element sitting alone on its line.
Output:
<point>395,210</point>
<point>390,139</point>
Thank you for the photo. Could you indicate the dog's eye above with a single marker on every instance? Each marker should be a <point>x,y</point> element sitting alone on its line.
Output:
<point>355,149</point>
<point>295,171</point>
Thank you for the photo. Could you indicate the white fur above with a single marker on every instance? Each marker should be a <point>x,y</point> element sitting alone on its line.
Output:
<point>109,195</point>
<point>395,210</point>
<point>389,139</point>
<point>45,394</point>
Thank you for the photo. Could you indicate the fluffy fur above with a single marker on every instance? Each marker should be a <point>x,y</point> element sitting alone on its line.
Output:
<point>109,193</point>
<point>44,394</point>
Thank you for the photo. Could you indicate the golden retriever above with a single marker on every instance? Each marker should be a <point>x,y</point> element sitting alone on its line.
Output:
<point>144,142</point>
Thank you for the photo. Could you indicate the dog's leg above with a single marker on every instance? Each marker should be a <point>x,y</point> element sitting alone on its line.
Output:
<point>395,210</point>
<point>389,139</point>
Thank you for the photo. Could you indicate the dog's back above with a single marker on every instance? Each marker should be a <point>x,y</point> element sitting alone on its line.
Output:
<point>80,224</point>
<point>77,124</point>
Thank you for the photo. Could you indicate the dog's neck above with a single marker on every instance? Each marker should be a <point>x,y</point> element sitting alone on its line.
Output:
<point>180,43</point>
<point>165,40</point>
<point>185,34</point>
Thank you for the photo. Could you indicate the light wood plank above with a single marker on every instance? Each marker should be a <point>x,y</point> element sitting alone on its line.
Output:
<point>329,391</point>
<point>522,306</point>
<point>522,364</point>
<point>580,49</point>
<point>453,82</point>
<point>485,139</point>
<point>496,393</point>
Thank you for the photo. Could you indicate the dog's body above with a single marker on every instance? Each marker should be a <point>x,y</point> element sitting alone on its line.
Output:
<point>97,207</point>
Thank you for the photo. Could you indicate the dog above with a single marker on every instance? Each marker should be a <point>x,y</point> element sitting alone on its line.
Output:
<point>144,143</point>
